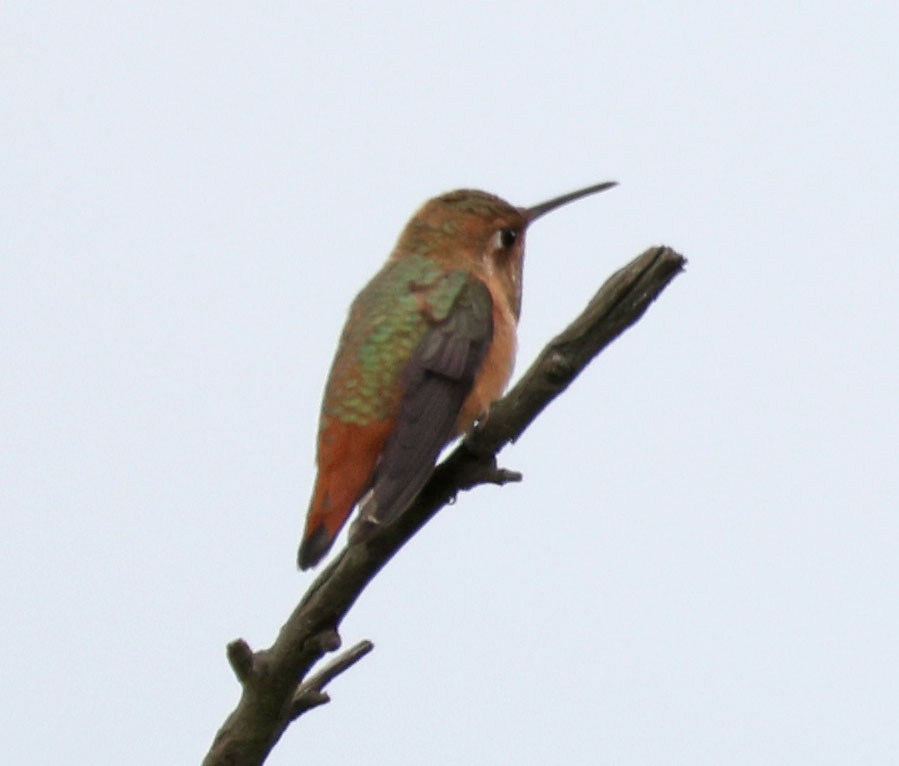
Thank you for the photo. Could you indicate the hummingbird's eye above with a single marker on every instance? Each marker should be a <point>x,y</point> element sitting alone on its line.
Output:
<point>507,238</point>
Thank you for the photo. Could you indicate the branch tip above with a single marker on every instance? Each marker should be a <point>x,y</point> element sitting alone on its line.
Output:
<point>505,476</point>
<point>310,694</point>
<point>328,641</point>
<point>241,659</point>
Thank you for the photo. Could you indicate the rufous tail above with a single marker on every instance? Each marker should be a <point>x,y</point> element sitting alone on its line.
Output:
<point>314,546</point>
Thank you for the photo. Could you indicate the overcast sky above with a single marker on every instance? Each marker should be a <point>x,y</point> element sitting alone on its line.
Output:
<point>700,566</point>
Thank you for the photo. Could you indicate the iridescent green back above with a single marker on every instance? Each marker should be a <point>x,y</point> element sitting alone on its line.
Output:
<point>387,321</point>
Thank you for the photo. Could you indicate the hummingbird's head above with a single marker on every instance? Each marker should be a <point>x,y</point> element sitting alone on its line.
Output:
<point>470,229</point>
<point>468,223</point>
<point>473,231</point>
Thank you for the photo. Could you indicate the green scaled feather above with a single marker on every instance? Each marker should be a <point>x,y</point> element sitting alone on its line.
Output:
<point>387,321</point>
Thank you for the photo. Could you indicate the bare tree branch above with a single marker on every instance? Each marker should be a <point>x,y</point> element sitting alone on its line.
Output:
<point>310,694</point>
<point>273,690</point>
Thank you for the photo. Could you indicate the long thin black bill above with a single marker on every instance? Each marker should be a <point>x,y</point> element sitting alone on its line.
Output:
<point>533,213</point>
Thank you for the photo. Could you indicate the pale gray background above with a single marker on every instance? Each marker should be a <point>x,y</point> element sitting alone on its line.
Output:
<point>701,565</point>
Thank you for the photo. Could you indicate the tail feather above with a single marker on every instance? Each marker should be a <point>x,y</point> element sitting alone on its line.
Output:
<point>327,515</point>
<point>314,547</point>
<point>328,512</point>
<point>347,455</point>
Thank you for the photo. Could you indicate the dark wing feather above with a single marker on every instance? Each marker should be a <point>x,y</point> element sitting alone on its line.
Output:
<point>437,380</point>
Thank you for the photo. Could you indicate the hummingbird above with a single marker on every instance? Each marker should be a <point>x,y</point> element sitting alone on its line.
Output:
<point>429,344</point>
